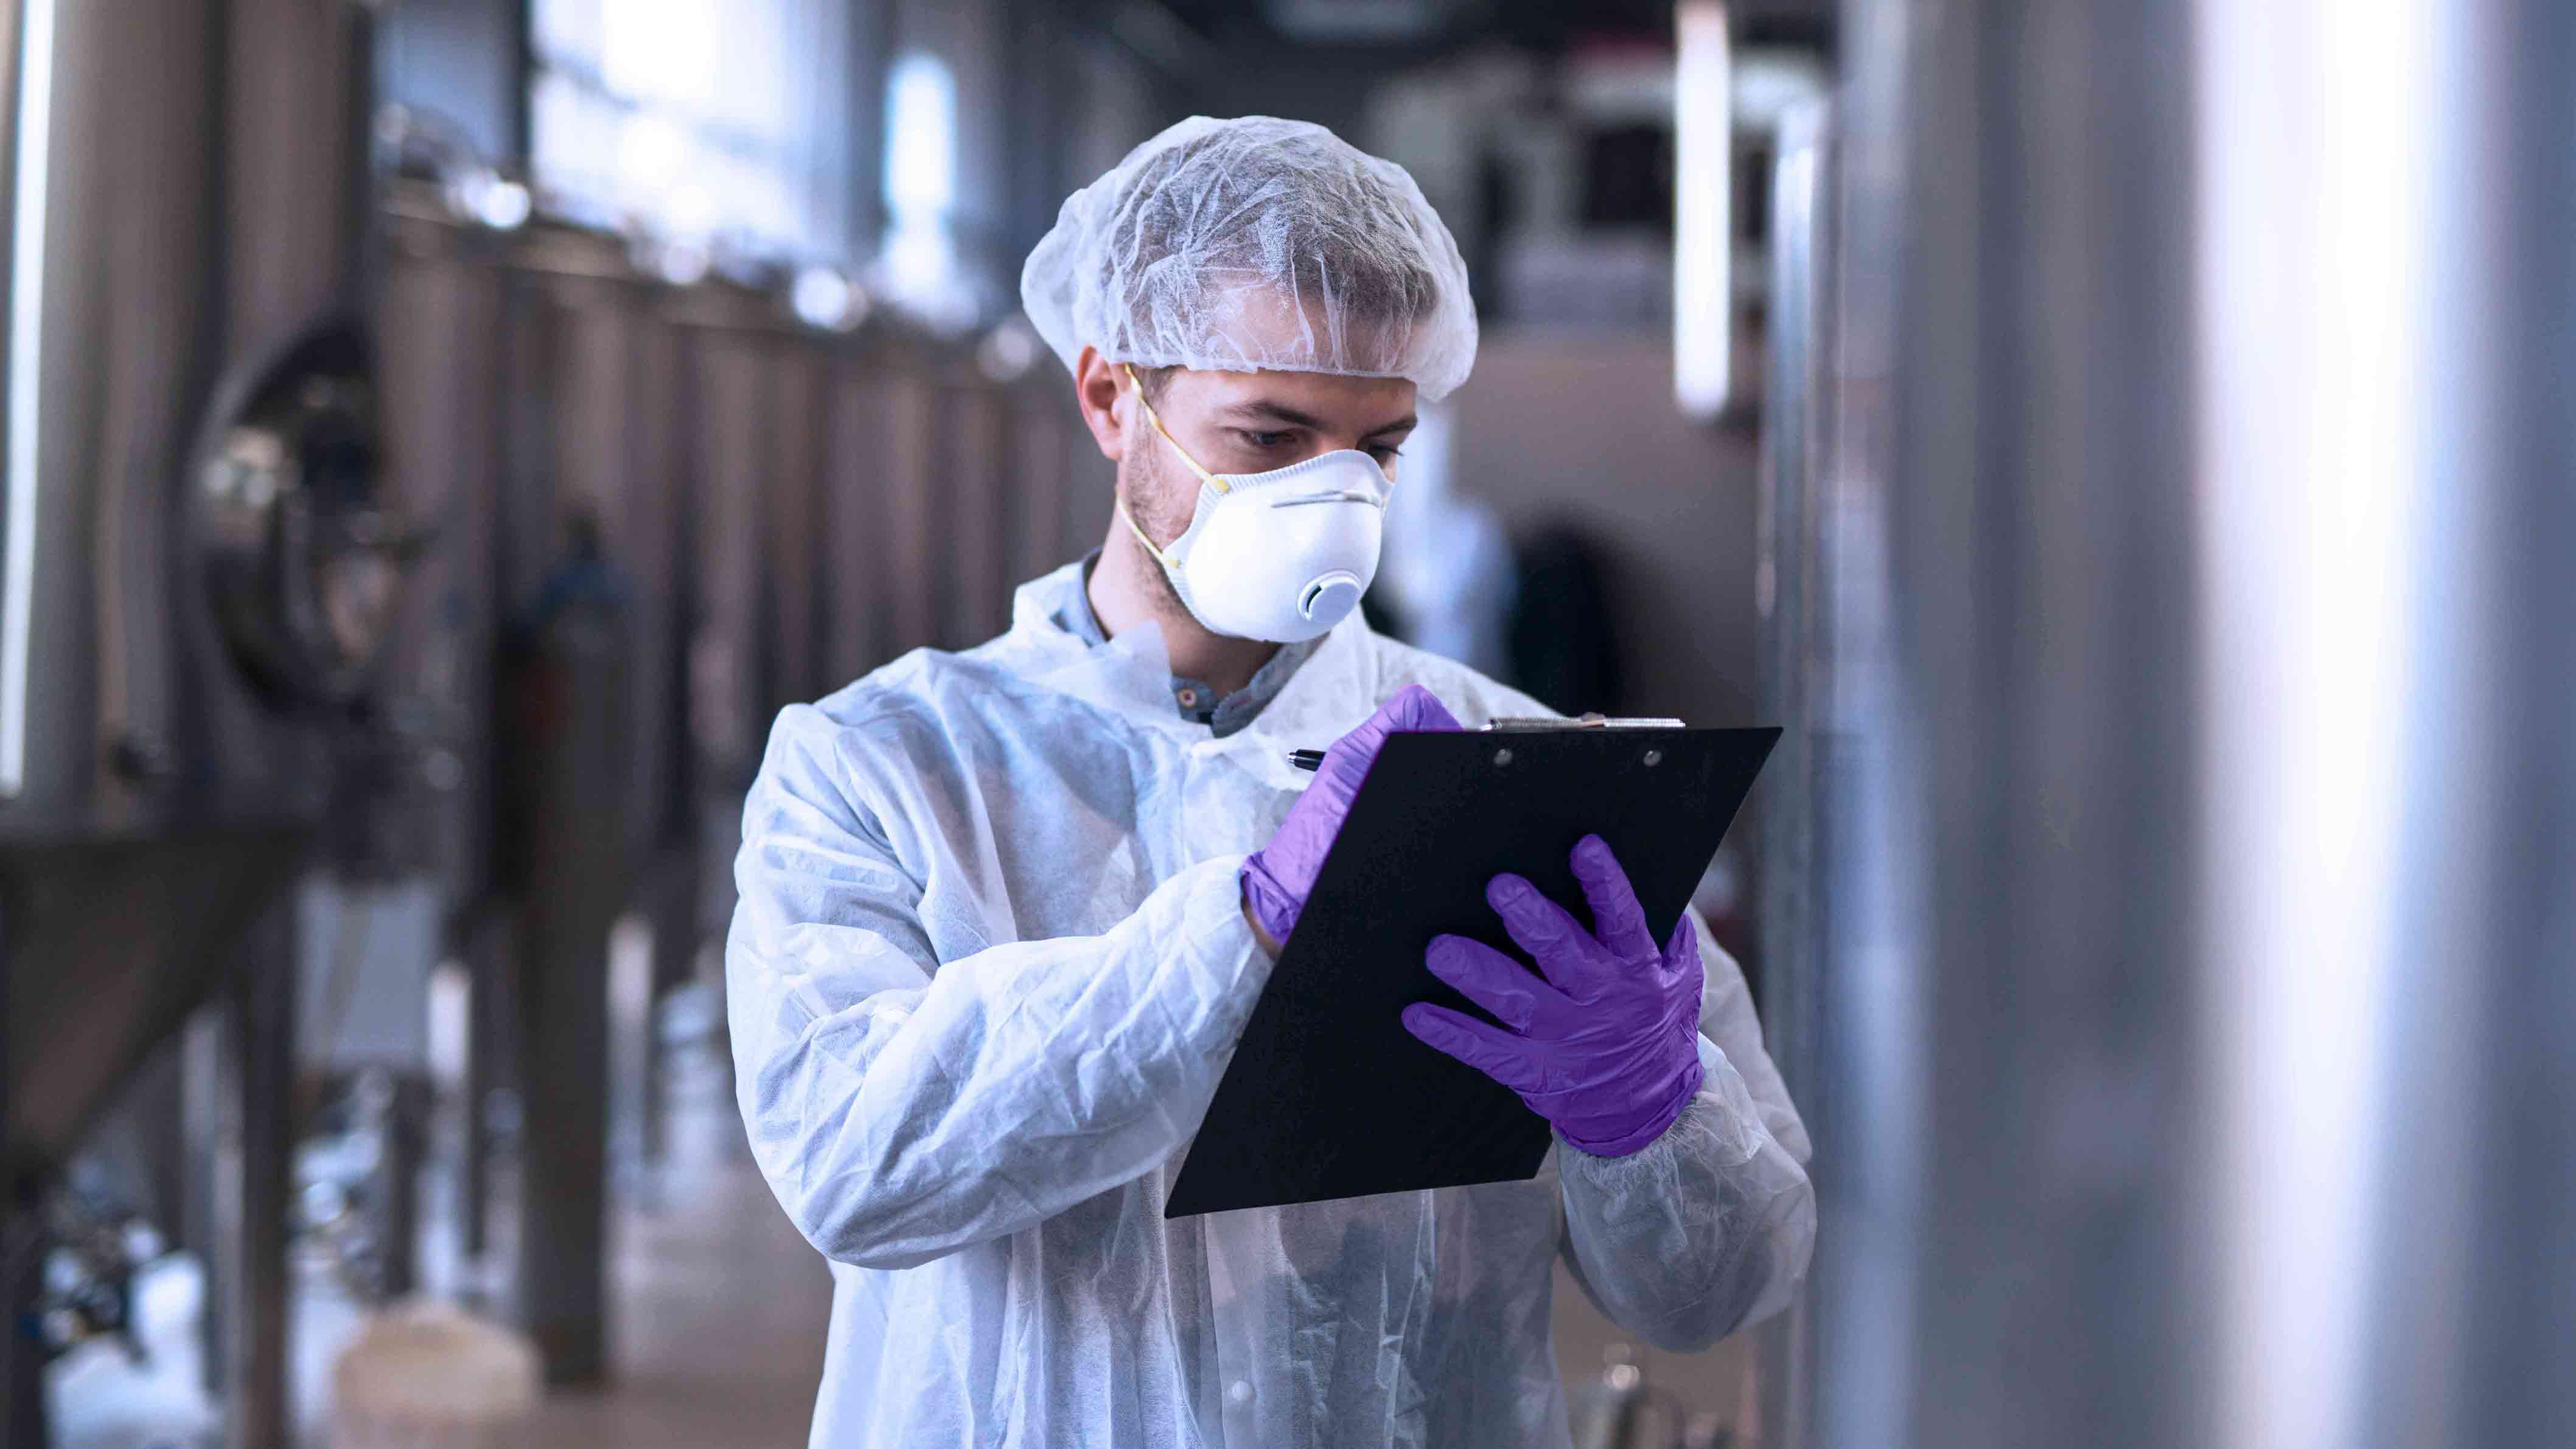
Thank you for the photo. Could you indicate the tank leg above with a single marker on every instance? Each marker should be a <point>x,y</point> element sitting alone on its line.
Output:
<point>22,1352</point>
<point>398,1103</point>
<point>576,794</point>
<point>486,1061</point>
<point>252,1160</point>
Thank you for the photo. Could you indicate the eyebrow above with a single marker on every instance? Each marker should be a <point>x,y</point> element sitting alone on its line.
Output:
<point>1263,410</point>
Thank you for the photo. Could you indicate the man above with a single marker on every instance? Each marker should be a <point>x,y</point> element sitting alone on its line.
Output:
<point>1003,913</point>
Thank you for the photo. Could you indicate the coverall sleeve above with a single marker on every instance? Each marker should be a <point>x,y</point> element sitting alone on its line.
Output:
<point>902,1107</point>
<point>1710,1226</point>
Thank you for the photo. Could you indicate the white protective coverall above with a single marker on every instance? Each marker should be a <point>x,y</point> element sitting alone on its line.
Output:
<point>988,964</point>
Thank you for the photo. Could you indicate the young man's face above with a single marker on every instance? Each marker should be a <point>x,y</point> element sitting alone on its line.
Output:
<point>1233,422</point>
<point>1252,422</point>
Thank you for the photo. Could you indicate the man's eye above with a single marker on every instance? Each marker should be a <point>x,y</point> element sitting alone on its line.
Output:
<point>1265,440</point>
<point>1385,453</point>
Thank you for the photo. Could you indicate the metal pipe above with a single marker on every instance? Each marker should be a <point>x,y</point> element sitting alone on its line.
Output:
<point>2013,1021</point>
<point>1796,910</point>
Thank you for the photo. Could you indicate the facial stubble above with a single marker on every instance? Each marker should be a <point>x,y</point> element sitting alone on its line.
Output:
<point>1151,484</point>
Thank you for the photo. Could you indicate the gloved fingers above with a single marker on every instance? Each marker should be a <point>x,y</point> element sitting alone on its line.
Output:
<point>1489,1049</point>
<point>1681,953</point>
<point>1553,938</point>
<point>1618,922</point>
<point>1414,709</point>
<point>1274,902</point>
<point>1491,979</point>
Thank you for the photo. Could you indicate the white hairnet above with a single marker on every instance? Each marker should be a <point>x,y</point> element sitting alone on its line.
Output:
<point>1250,244</point>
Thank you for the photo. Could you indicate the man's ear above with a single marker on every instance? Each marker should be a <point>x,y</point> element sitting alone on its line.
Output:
<point>1098,384</point>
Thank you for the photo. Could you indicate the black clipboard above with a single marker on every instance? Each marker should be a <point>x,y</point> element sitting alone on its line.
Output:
<point>1327,1095</point>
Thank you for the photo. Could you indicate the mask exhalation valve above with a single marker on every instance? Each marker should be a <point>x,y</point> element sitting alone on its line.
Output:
<point>1329,596</point>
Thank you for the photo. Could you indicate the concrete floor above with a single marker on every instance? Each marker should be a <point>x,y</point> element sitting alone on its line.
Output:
<point>718,1329</point>
<point>721,1305</point>
<point>717,1337</point>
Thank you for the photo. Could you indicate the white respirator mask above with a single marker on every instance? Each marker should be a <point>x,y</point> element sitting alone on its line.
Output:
<point>1280,556</point>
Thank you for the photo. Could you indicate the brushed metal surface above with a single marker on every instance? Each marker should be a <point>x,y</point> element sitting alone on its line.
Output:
<point>200,201</point>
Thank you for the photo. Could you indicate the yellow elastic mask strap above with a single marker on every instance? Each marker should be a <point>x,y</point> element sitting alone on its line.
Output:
<point>1151,547</point>
<point>1151,416</point>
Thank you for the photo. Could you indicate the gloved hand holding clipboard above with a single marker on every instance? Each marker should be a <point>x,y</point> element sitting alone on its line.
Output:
<point>1328,1096</point>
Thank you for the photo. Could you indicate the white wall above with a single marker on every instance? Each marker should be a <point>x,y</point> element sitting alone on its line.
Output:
<point>1584,427</point>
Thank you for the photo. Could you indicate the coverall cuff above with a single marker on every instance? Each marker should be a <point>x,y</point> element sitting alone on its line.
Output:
<point>1686,1085</point>
<point>1721,1114</point>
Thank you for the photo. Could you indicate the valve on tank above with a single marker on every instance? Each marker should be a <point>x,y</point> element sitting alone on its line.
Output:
<point>301,558</point>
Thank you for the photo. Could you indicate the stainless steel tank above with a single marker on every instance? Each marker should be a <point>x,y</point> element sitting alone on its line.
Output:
<point>1991,576</point>
<point>786,506</point>
<point>2168,580</point>
<point>195,565</point>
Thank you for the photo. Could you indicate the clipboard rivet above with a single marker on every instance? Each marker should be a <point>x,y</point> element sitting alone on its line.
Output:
<point>1502,757</point>
<point>1654,758</point>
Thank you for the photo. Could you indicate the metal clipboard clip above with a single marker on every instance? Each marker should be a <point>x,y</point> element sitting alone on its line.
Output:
<point>1510,724</point>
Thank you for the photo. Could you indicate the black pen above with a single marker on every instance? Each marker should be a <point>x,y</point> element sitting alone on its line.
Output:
<point>1306,759</point>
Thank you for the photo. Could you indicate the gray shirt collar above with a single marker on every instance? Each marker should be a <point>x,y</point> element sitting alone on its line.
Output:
<point>1195,699</point>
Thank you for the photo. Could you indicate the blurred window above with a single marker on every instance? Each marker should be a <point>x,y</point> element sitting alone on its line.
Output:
<point>921,120</point>
<point>698,118</point>
<point>919,268</point>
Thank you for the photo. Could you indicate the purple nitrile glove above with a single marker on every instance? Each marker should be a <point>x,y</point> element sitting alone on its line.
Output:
<point>1278,876</point>
<point>1607,1046</point>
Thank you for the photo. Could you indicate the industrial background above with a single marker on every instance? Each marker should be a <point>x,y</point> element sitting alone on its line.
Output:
<point>2126,446</point>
